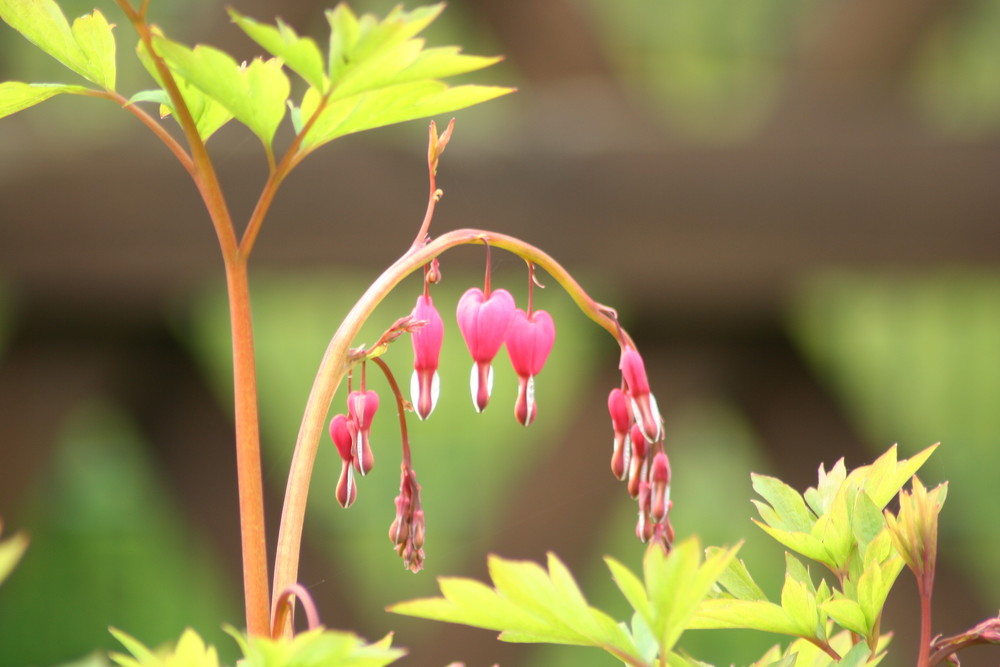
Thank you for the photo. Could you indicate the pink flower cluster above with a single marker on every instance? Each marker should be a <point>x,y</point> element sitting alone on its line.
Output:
<point>638,456</point>
<point>351,433</point>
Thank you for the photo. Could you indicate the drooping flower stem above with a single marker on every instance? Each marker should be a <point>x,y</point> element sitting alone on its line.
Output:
<point>337,361</point>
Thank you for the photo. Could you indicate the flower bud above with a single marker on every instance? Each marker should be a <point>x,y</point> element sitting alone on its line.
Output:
<point>660,487</point>
<point>425,384</point>
<point>484,322</point>
<point>643,402</point>
<point>621,418</point>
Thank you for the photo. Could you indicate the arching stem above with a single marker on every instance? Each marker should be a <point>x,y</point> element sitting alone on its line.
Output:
<point>337,361</point>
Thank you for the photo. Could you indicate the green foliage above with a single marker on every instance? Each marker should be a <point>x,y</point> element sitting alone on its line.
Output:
<point>254,94</point>
<point>190,651</point>
<point>834,623</point>
<point>87,47</point>
<point>377,72</point>
<point>315,648</point>
<point>529,604</point>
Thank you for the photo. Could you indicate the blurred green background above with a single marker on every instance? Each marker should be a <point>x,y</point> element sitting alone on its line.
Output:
<point>792,205</point>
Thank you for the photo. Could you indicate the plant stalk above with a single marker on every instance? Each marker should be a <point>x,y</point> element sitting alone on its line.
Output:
<point>248,467</point>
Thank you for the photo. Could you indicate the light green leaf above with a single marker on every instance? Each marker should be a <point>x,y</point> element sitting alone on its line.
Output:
<point>819,498</point>
<point>736,579</point>
<point>387,106</point>
<point>867,521</point>
<point>527,604</point>
<point>208,114</point>
<point>883,479</point>
<point>804,543</point>
<point>318,646</point>
<point>644,638</point>
<point>190,651</point>
<point>15,96</point>
<point>800,605</point>
<point>88,48</point>
<point>254,94</point>
<point>94,37</point>
<point>632,588</point>
<point>848,614</point>
<point>301,54</point>
<point>677,583</point>
<point>43,24</point>
<point>345,29</point>
<point>856,657</point>
<point>790,510</point>
<point>750,614</point>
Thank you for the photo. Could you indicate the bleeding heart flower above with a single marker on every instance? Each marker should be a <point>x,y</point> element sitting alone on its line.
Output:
<point>643,402</point>
<point>341,431</point>
<point>529,341</point>
<point>425,383</point>
<point>361,407</point>
<point>484,321</point>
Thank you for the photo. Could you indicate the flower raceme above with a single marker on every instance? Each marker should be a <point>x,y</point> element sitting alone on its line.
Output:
<point>484,321</point>
<point>425,384</point>
<point>529,341</point>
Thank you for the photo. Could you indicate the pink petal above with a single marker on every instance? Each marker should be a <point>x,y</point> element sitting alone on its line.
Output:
<point>484,321</point>
<point>529,341</point>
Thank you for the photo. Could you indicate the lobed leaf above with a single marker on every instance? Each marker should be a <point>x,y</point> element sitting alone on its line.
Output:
<point>254,94</point>
<point>208,115</point>
<point>318,646</point>
<point>526,604</point>
<point>387,106</point>
<point>300,54</point>
<point>87,48</point>
<point>789,509</point>
<point>15,95</point>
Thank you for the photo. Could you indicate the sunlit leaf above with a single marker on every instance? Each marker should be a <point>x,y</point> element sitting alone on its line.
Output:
<point>190,651</point>
<point>87,48</point>
<point>789,509</point>
<point>527,604</point>
<point>387,106</point>
<point>316,647</point>
<point>300,54</point>
<point>15,96</point>
<point>737,581</point>
<point>254,94</point>
<point>94,37</point>
<point>208,115</point>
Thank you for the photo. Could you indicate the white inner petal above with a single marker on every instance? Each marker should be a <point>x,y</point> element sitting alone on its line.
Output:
<point>415,391</point>
<point>435,391</point>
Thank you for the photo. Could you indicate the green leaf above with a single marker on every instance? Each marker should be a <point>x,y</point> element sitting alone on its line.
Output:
<point>736,579</point>
<point>527,604</point>
<point>800,605</point>
<point>88,48</point>
<point>632,588</point>
<point>789,509</point>
<point>208,114</point>
<point>677,583</point>
<point>387,106</point>
<point>819,498</point>
<point>94,37</point>
<point>254,94</point>
<point>883,479</point>
<point>190,651</point>
<point>848,614</point>
<point>301,54</point>
<point>751,614</point>
<point>15,96</point>
<point>317,647</point>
